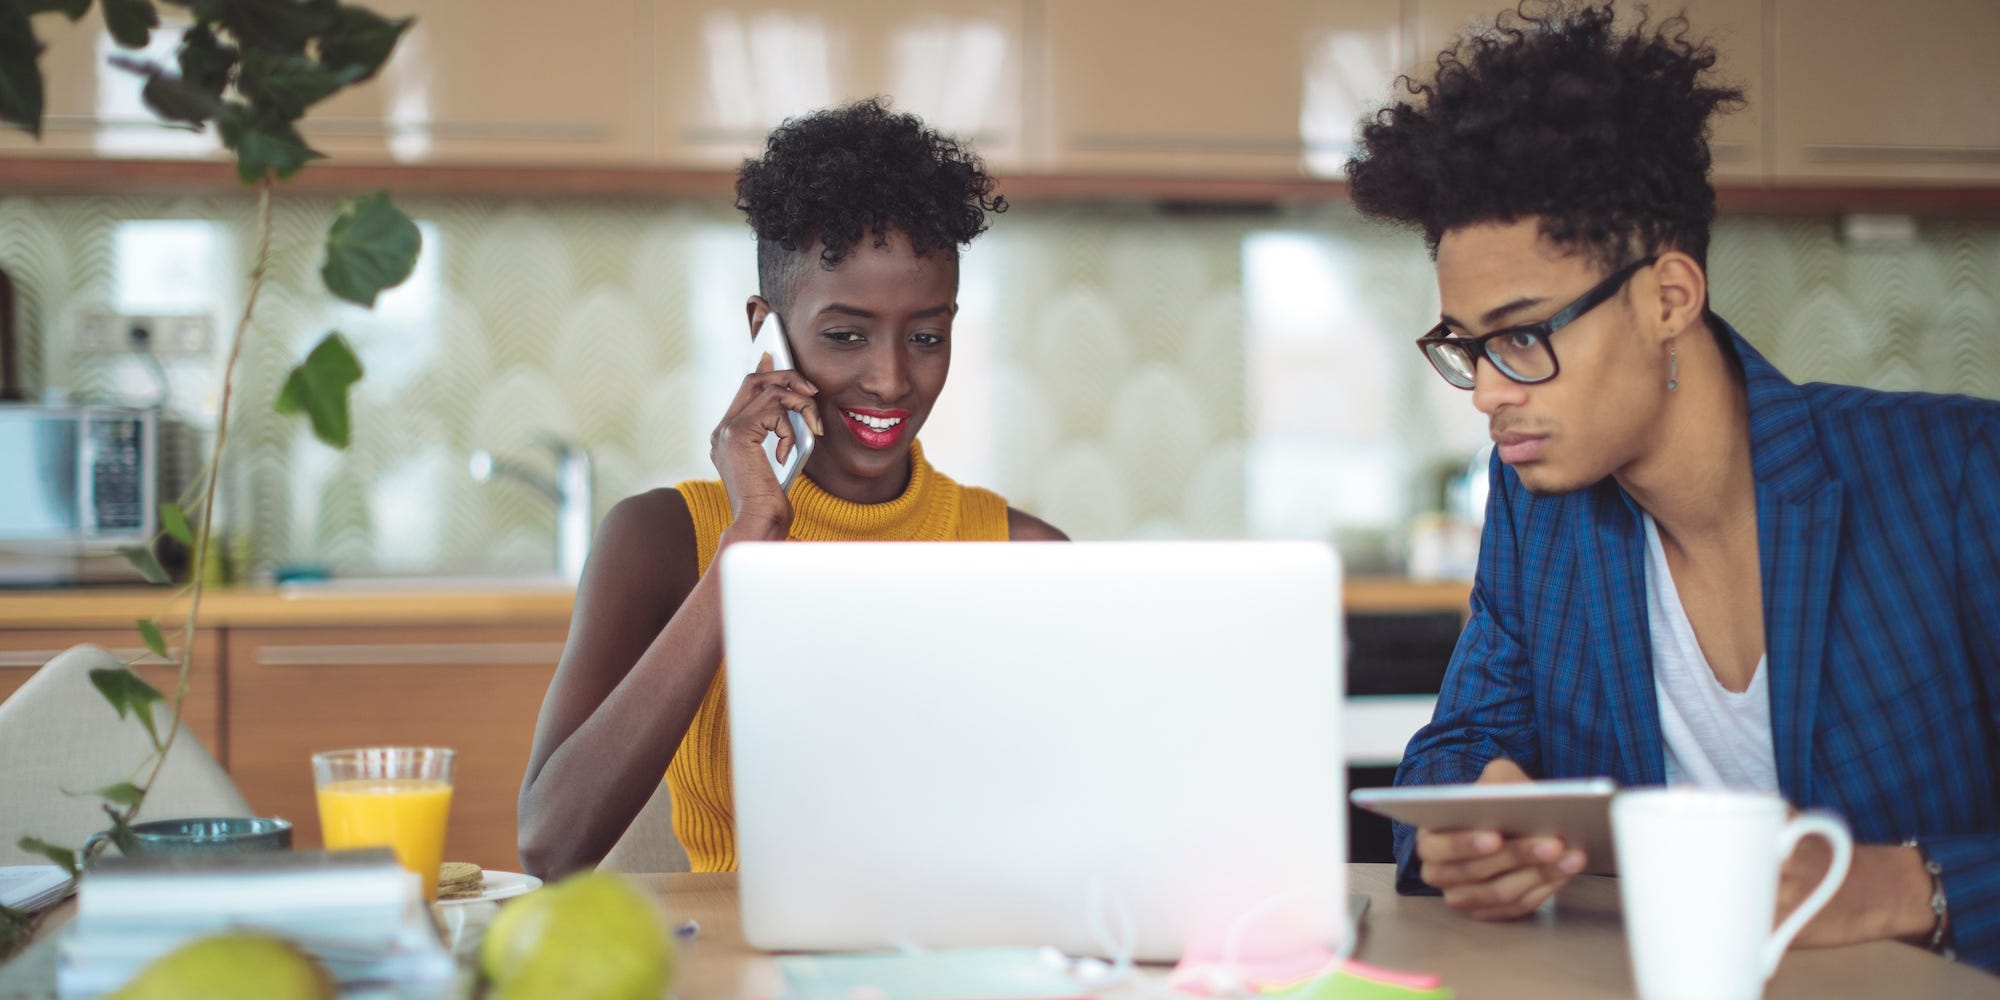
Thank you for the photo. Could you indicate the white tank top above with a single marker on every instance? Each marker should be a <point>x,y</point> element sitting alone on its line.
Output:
<point>1715,737</point>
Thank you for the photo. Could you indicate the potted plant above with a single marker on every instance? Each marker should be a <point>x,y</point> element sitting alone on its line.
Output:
<point>250,69</point>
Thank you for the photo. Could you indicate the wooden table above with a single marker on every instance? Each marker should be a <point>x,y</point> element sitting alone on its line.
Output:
<point>1578,950</point>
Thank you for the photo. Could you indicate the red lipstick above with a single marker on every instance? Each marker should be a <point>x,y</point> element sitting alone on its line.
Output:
<point>875,428</point>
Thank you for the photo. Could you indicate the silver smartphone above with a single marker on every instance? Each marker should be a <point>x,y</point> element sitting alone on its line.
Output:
<point>1577,810</point>
<point>770,339</point>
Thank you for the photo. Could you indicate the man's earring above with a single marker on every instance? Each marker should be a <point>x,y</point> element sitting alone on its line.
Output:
<point>1673,369</point>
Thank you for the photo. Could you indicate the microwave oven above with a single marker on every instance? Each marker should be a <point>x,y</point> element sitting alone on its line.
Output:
<point>77,483</point>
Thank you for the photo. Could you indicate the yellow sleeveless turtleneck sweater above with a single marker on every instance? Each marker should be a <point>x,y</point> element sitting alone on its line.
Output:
<point>932,509</point>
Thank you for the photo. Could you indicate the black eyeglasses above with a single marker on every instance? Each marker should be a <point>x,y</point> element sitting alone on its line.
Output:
<point>1521,353</point>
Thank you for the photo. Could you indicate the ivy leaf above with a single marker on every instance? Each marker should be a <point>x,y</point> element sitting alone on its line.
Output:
<point>20,72</point>
<point>128,692</point>
<point>361,39</point>
<point>175,523</point>
<point>318,387</point>
<point>267,25</point>
<point>121,832</point>
<point>62,856</point>
<point>371,246</point>
<point>142,559</point>
<point>72,9</point>
<point>175,101</point>
<point>131,22</point>
<point>149,631</point>
<point>285,86</point>
<point>123,793</point>
<point>205,62</point>
<point>263,147</point>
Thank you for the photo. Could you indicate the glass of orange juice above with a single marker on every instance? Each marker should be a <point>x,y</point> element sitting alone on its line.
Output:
<point>395,797</point>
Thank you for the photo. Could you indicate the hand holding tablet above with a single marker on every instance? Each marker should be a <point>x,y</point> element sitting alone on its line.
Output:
<point>1497,847</point>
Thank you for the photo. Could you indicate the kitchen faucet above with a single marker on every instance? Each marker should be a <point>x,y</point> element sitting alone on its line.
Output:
<point>569,486</point>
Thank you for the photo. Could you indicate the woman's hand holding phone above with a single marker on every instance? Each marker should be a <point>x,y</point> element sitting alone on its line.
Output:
<point>763,513</point>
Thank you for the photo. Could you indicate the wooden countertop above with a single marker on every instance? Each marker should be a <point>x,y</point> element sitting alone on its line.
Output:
<point>432,603</point>
<point>288,607</point>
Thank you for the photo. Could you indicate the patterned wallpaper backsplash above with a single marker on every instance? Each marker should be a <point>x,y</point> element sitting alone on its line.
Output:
<point>1122,371</point>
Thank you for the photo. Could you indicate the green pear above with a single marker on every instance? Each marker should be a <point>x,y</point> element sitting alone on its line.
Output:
<point>592,936</point>
<point>231,967</point>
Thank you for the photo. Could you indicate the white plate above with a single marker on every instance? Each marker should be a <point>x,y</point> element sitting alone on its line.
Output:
<point>498,885</point>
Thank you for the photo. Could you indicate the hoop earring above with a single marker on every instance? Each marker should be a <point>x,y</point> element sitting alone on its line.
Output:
<point>1673,369</point>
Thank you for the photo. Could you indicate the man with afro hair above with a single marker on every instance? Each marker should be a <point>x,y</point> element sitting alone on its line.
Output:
<point>1692,571</point>
<point>859,214</point>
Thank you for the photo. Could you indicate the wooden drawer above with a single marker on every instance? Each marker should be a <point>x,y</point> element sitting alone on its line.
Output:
<point>23,651</point>
<point>294,692</point>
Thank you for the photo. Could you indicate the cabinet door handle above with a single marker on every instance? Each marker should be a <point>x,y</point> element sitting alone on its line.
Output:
<point>1887,154</point>
<point>427,654</point>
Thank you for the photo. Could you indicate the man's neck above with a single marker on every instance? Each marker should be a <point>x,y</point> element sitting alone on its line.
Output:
<point>1696,478</point>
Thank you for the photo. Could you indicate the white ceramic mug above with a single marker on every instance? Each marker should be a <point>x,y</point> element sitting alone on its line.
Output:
<point>1698,874</point>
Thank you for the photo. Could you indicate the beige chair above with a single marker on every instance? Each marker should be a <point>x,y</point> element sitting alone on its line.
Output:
<point>649,844</point>
<point>58,734</point>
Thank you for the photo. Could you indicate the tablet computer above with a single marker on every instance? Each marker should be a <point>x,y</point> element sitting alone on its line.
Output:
<point>1577,810</point>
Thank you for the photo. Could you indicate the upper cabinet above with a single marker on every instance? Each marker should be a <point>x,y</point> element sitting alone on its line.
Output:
<point>1851,90</point>
<point>1875,91</point>
<point>727,71</point>
<point>1193,87</point>
<point>475,81</point>
<point>1734,27</point>
<point>501,82</point>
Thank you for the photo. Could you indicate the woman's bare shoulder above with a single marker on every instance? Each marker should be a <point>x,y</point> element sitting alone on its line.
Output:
<point>1025,527</point>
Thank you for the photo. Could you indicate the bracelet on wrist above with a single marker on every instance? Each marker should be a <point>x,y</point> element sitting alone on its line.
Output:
<point>1940,907</point>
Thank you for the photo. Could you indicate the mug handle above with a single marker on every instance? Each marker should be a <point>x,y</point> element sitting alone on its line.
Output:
<point>1807,824</point>
<point>91,842</point>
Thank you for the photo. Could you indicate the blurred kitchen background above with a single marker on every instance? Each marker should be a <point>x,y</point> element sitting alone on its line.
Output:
<point>1123,370</point>
<point>1180,330</point>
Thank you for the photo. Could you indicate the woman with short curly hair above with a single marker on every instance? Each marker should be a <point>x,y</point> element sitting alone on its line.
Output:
<point>859,213</point>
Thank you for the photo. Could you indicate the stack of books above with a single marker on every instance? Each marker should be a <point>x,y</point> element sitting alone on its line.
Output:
<point>357,912</point>
<point>31,888</point>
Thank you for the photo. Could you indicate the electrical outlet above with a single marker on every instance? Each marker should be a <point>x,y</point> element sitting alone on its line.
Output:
<point>166,336</point>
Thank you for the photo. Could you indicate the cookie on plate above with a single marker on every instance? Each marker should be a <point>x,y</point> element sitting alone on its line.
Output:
<point>459,879</point>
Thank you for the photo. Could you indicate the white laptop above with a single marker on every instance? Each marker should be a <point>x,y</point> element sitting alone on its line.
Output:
<point>1122,748</point>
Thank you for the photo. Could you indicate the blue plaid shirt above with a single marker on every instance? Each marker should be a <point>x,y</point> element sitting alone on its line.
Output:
<point>1878,522</point>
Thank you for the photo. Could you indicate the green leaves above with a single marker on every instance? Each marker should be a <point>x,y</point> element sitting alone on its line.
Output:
<point>287,85</point>
<point>263,146</point>
<point>175,523</point>
<point>123,793</point>
<point>360,40</point>
<point>318,388</point>
<point>371,246</point>
<point>205,62</point>
<point>149,632</point>
<point>141,558</point>
<point>20,73</point>
<point>131,22</point>
<point>128,692</point>
<point>72,9</point>
<point>63,857</point>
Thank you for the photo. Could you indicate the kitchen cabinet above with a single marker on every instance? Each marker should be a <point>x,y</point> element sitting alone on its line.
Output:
<point>90,108</point>
<point>1187,87</point>
<point>25,650</point>
<point>726,71</point>
<point>296,691</point>
<point>483,82</point>
<point>1734,27</point>
<point>500,82</point>
<point>1887,92</point>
